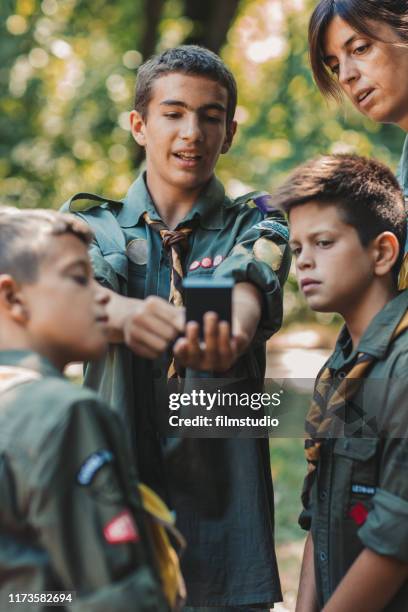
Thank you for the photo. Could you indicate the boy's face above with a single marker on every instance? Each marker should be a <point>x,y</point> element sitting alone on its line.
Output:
<point>65,308</point>
<point>184,132</point>
<point>333,269</point>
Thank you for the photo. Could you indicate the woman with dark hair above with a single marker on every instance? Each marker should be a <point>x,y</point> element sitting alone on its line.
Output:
<point>360,48</point>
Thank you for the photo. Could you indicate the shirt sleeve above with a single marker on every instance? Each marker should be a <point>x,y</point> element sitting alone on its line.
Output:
<point>86,511</point>
<point>261,256</point>
<point>386,529</point>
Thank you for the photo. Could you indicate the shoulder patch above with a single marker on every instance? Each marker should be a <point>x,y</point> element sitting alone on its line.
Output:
<point>273,226</point>
<point>121,529</point>
<point>92,465</point>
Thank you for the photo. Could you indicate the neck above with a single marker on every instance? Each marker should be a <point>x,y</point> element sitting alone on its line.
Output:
<point>13,338</point>
<point>172,203</point>
<point>359,314</point>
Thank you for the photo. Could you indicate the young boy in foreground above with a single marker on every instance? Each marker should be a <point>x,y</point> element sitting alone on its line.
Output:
<point>348,229</point>
<point>70,516</point>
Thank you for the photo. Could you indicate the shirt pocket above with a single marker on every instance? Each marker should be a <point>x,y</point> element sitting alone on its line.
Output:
<point>355,472</point>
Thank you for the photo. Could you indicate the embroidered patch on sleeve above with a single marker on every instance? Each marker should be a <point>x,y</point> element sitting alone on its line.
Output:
<point>121,529</point>
<point>359,514</point>
<point>92,465</point>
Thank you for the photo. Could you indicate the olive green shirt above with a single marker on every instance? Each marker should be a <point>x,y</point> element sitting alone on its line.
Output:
<point>229,560</point>
<point>360,496</point>
<point>67,489</point>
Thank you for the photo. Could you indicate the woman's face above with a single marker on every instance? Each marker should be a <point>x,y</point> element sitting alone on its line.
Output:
<point>372,73</point>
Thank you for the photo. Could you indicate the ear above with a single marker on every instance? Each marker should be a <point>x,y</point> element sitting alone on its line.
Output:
<point>11,299</point>
<point>231,129</point>
<point>137,127</point>
<point>386,249</point>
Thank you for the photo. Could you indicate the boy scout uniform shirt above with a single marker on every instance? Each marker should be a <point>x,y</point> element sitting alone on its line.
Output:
<point>70,516</point>
<point>360,496</point>
<point>229,561</point>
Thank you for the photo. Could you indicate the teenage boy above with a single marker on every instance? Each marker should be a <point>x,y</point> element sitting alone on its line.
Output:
<point>175,221</point>
<point>70,516</point>
<point>348,230</point>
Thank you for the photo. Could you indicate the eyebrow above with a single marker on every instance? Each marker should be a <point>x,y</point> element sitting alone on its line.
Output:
<point>313,235</point>
<point>77,262</point>
<point>348,42</point>
<point>210,106</point>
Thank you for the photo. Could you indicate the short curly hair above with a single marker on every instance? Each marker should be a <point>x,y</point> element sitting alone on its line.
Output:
<point>365,192</point>
<point>186,59</point>
<point>23,238</point>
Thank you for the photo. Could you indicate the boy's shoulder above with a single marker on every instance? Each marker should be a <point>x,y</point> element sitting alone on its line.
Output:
<point>35,410</point>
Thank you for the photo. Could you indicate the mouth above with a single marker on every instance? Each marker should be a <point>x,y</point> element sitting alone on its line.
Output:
<point>308,284</point>
<point>102,319</point>
<point>363,97</point>
<point>188,158</point>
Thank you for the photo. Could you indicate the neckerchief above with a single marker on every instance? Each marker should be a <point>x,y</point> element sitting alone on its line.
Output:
<point>324,407</point>
<point>176,243</point>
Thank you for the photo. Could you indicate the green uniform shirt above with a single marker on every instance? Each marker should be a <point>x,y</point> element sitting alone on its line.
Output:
<point>229,561</point>
<point>70,514</point>
<point>360,496</point>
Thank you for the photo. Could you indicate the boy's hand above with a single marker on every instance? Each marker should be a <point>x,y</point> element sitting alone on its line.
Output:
<point>217,352</point>
<point>151,326</point>
<point>146,326</point>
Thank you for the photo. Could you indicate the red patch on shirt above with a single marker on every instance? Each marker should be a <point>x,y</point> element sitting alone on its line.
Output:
<point>206,262</point>
<point>121,529</point>
<point>359,513</point>
<point>196,264</point>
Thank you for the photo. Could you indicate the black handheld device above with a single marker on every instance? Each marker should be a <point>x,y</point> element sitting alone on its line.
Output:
<point>202,295</point>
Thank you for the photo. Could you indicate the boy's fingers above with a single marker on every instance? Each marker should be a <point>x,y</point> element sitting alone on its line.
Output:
<point>225,346</point>
<point>211,337</point>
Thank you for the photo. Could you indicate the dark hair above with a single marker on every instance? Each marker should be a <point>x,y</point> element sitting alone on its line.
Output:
<point>365,191</point>
<point>186,59</point>
<point>360,15</point>
<point>23,238</point>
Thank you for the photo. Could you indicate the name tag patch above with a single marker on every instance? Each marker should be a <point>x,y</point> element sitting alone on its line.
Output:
<point>92,465</point>
<point>362,489</point>
<point>121,529</point>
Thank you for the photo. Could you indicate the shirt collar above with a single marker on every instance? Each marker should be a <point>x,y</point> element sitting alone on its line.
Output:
<point>30,361</point>
<point>377,337</point>
<point>208,208</point>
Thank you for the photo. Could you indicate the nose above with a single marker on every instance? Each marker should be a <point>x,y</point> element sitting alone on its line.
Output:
<point>304,259</point>
<point>102,295</point>
<point>348,72</point>
<point>191,129</point>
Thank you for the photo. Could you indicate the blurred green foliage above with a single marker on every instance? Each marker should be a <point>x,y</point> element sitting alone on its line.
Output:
<point>67,78</point>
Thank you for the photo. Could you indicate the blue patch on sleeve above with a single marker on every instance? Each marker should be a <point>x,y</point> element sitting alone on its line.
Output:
<point>273,226</point>
<point>92,465</point>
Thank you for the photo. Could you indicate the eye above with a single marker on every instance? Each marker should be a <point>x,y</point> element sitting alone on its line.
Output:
<point>335,69</point>
<point>80,279</point>
<point>361,49</point>
<point>172,115</point>
<point>212,119</point>
<point>295,251</point>
<point>324,244</point>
